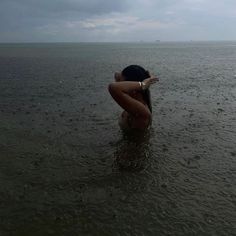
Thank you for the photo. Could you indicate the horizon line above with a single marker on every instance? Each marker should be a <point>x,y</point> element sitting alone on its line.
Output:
<point>140,41</point>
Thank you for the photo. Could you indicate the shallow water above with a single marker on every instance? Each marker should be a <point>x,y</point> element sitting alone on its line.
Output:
<point>67,169</point>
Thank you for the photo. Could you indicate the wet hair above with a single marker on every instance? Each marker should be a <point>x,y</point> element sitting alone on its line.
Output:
<point>138,73</point>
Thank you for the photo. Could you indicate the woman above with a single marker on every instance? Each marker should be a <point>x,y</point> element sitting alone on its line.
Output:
<point>131,92</point>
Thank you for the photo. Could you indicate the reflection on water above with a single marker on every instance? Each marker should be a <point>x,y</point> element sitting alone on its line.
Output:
<point>132,150</point>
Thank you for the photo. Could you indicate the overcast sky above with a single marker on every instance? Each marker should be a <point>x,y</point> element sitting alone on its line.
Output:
<point>124,20</point>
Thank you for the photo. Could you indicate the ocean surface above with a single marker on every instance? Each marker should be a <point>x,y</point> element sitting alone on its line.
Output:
<point>66,168</point>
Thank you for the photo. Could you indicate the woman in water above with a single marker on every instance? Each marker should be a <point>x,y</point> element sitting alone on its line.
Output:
<point>131,92</point>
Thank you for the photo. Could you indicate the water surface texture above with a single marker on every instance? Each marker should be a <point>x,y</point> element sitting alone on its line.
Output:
<point>67,169</point>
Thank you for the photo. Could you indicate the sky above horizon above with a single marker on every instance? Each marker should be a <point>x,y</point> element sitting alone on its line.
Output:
<point>116,21</point>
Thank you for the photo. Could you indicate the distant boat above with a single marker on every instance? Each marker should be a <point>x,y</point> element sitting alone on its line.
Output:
<point>158,41</point>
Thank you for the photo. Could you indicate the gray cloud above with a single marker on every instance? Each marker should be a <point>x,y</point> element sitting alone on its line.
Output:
<point>25,13</point>
<point>51,8</point>
<point>106,20</point>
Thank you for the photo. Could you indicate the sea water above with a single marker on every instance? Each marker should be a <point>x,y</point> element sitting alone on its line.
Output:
<point>66,168</point>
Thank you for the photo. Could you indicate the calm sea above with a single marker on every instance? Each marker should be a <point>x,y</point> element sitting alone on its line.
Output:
<point>67,169</point>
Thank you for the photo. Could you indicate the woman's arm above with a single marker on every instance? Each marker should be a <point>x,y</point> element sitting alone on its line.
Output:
<point>120,93</point>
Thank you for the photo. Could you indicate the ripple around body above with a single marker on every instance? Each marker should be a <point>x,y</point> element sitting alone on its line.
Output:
<point>66,168</point>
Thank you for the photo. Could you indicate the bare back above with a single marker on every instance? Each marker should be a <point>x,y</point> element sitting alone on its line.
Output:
<point>127,121</point>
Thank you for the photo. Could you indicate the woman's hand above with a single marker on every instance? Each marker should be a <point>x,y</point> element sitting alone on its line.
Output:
<point>117,76</point>
<point>151,80</point>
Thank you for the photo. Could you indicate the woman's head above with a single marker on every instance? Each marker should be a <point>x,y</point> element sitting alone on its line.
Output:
<point>138,73</point>
<point>135,73</point>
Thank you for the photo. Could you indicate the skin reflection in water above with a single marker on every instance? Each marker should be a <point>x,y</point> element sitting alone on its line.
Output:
<point>133,150</point>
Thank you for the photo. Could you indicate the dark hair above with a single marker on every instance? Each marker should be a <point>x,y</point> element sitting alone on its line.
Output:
<point>138,73</point>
